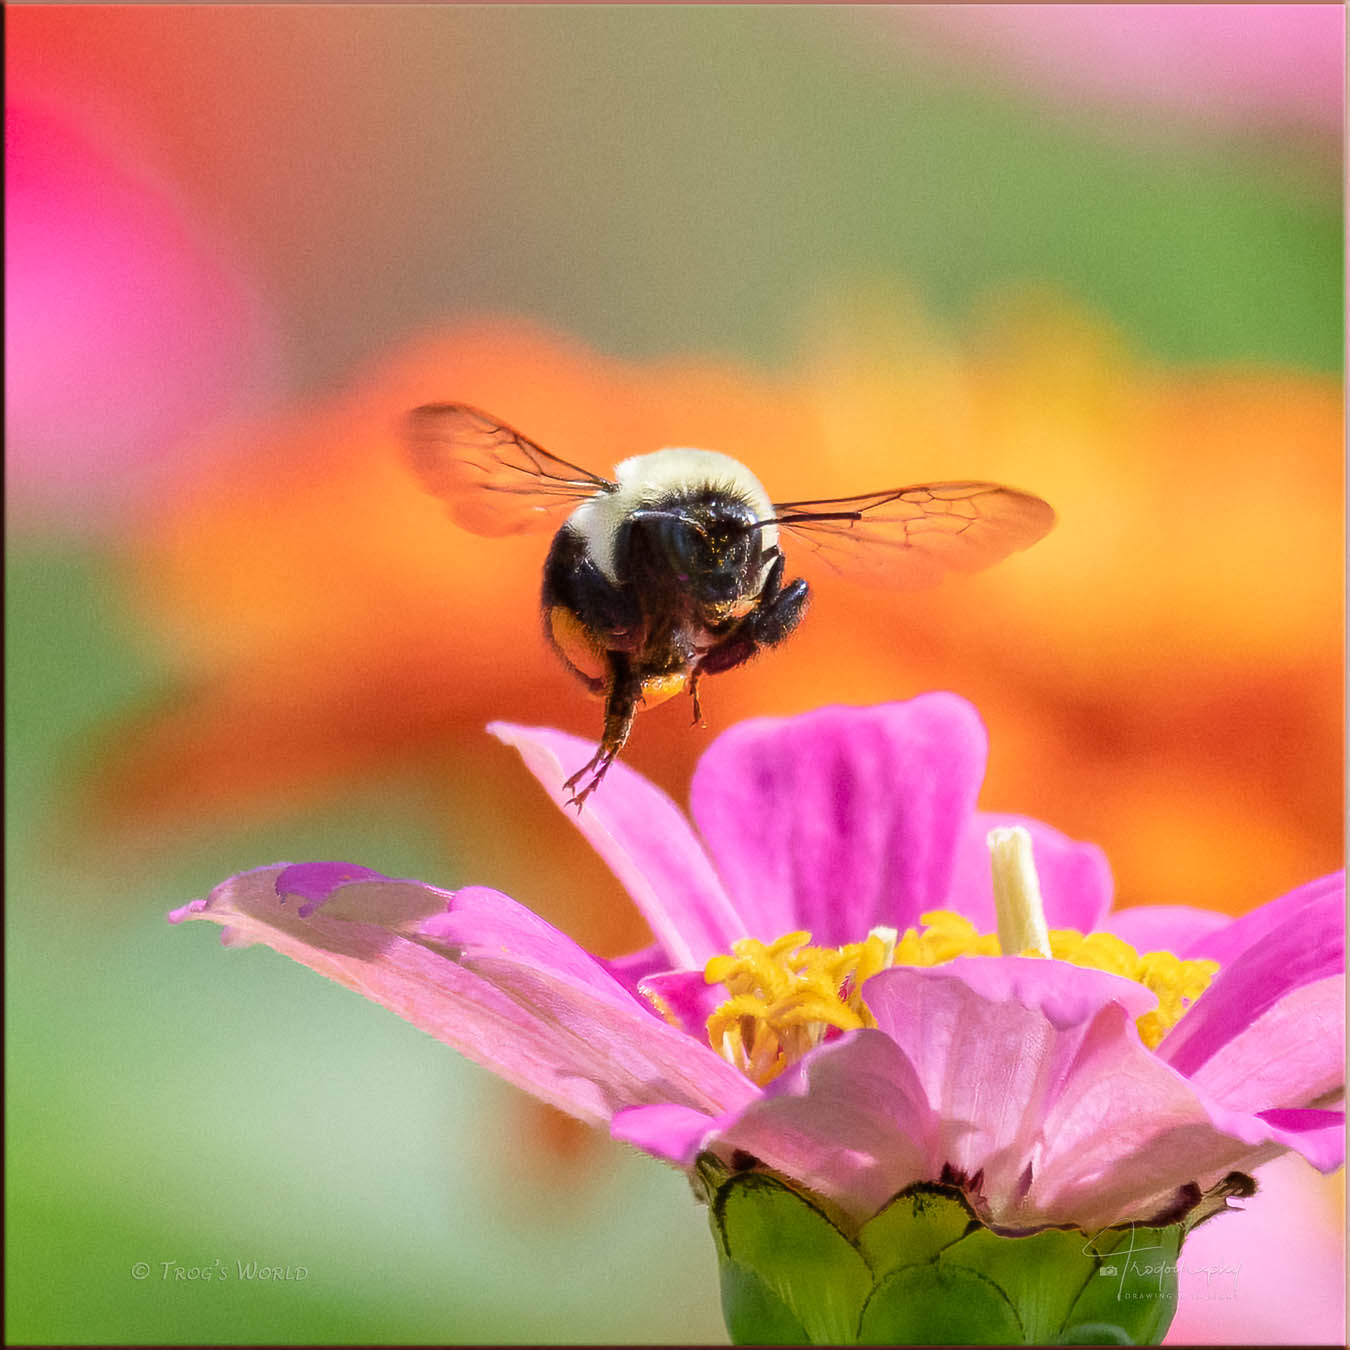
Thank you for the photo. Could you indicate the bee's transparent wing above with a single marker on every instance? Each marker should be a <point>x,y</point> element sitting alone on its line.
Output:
<point>494,480</point>
<point>911,537</point>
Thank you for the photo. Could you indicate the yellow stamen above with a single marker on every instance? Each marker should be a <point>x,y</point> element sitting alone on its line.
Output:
<point>1177,983</point>
<point>786,997</point>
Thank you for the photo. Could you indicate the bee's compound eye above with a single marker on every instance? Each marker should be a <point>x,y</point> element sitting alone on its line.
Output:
<point>682,544</point>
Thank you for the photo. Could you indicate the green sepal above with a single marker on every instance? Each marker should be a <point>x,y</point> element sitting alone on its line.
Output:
<point>804,1264</point>
<point>754,1313</point>
<point>1133,1285</point>
<point>914,1227</point>
<point>932,1304</point>
<point>925,1271</point>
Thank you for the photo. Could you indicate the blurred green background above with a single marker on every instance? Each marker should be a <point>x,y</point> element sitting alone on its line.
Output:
<point>655,181</point>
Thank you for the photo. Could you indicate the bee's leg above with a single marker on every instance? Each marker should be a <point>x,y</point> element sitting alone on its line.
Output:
<point>778,613</point>
<point>693,693</point>
<point>621,703</point>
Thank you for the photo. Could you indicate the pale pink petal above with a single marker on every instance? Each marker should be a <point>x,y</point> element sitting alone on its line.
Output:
<point>1063,995</point>
<point>1032,1021</point>
<point>645,839</point>
<point>1305,945</point>
<point>1125,1149</point>
<point>840,819</point>
<point>850,1121</point>
<point>480,927</point>
<point>1075,878</point>
<point>1063,1113</point>
<point>1165,928</point>
<point>490,982</point>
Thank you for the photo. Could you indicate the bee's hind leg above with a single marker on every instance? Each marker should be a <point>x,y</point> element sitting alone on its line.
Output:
<point>621,703</point>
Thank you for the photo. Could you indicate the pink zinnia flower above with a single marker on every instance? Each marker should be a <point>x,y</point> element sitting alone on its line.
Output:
<point>825,994</point>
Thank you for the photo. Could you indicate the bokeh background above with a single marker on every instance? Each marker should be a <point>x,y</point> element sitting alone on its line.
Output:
<point>1093,251</point>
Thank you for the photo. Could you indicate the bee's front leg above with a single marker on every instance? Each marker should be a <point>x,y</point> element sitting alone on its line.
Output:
<point>621,702</point>
<point>694,678</point>
<point>772,621</point>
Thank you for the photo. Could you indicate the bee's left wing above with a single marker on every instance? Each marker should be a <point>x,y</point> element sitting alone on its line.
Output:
<point>494,480</point>
<point>911,537</point>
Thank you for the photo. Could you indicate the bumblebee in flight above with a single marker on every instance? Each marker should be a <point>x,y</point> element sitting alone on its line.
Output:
<point>674,568</point>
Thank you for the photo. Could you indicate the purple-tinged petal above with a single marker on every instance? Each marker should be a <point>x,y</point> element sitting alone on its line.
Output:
<point>850,1121</point>
<point>1128,1151</point>
<point>840,819</point>
<point>493,984</point>
<point>1165,928</point>
<point>1226,944</point>
<point>1317,1134</point>
<point>1308,944</point>
<point>478,926</point>
<point>314,882</point>
<point>645,839</point>
<point>672,1133</point>
<point>1075,878</point>
<point>684,996</point>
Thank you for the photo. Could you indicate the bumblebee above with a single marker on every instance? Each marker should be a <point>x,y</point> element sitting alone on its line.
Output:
<point>673,569</point>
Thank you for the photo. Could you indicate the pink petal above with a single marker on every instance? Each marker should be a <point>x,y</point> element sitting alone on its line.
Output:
<point>687,996</point>
<point>996,1043</point>
<point>1075,878</point>
<point>1305,942</point>
<point>843,818</point>
<point>1165,928</point>
<point>1059,1110</point>
<point>1290,1055</point>
<point>850,1121</point>
<point>629,970</point>
<point>482,974</point>
<point>646,841</point>
<point>1226,944</point>
<point>1319,1135</point>
<point>672,1133</point>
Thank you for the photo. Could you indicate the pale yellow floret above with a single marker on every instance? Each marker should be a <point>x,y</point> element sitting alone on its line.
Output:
<point>1017,891</point>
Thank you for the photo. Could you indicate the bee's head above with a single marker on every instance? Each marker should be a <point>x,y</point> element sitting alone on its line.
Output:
<point>713,551</point>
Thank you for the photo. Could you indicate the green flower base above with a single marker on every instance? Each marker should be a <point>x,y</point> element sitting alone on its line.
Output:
<point>925,1271</point>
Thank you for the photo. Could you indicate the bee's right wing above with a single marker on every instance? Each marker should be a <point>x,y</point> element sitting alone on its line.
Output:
<point>913,536</point>
<point>494,480</point>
